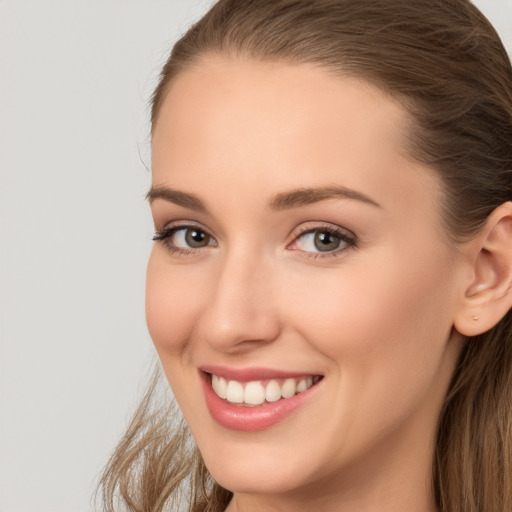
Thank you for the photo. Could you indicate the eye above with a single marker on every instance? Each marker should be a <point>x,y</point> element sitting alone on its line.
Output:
<point>191,237</point>
<point>328,241</point>
<point>184,238</point>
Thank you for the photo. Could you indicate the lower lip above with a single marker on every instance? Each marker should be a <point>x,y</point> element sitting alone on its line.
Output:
<point>251,419</point>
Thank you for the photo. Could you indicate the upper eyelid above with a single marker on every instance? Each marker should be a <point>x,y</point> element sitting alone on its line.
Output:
<point>175,224</point>
<point>184,224</point>
<point>299,231</point>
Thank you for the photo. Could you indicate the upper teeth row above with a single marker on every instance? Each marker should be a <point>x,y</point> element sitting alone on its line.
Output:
<point>255,393</point>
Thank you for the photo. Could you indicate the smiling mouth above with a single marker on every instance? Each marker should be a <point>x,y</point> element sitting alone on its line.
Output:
<point>259,392</point>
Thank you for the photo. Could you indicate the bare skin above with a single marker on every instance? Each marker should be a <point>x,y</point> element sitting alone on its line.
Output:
<point>373,312</point>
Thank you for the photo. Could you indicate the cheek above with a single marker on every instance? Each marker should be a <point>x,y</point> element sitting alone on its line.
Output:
<point>172,304</point>
<point>382,326</point>
<point>173,299</point>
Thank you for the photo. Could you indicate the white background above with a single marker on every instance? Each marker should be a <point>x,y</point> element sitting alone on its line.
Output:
<point>75,78</point>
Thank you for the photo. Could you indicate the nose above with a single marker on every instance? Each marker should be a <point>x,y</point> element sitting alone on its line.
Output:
<point>241,314</point>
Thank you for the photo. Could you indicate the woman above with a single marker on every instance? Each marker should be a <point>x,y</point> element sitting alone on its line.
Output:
<point>330,287</point>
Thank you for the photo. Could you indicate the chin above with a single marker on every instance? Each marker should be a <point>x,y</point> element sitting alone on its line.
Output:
<point>256,473</point>
<point>255,482</point>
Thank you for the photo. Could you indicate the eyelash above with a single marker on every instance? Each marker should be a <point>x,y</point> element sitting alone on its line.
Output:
<point>165,235</point>
<point>350,241</point>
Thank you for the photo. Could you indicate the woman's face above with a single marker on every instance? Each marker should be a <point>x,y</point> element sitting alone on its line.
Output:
<point>300,259</point>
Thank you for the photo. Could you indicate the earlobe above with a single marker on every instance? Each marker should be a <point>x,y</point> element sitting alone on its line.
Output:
<point>488,297</point>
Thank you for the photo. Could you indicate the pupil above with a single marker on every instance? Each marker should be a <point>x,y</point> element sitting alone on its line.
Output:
<point>326,241</point>
<point>196,238</point>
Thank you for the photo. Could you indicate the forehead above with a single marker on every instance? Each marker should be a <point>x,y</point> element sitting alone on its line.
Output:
<point>266,126</point>
<point>235,93</point>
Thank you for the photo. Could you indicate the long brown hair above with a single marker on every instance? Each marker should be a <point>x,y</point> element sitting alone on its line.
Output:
<point>445,63</point>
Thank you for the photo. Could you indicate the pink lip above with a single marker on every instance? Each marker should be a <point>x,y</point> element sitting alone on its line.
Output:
<point>251,419</point>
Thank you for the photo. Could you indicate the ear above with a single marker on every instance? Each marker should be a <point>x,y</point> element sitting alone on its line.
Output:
<point>487,294</point>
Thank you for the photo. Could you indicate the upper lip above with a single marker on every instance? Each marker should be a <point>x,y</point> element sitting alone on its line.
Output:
<point>250,374</point>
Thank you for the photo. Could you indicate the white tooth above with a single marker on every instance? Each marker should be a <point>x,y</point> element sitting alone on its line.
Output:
<point>302,385</point>
<point>273,391</point>
<point>222,387</point>
<point>235,392</point>
<point>309,381</point>
<point>254,393</point>
<point>219,386</point>
<point>215,383</point>
<point>289,388</point>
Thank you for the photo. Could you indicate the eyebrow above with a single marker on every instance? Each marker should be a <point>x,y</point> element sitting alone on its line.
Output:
<point>282,201</point>
<point>184,199</point>
<point>304,196</point>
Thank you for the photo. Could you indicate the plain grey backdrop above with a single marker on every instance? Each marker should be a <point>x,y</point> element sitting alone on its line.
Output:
<point>75,78</point>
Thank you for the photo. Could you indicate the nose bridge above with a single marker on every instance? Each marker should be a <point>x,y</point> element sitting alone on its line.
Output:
<point>240,309</point>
